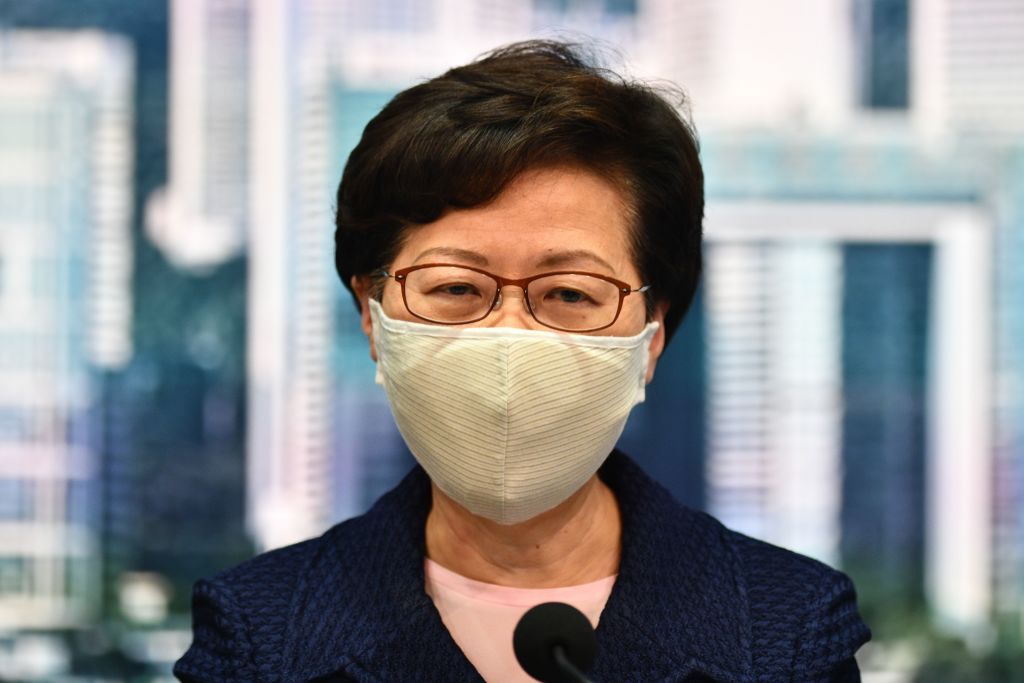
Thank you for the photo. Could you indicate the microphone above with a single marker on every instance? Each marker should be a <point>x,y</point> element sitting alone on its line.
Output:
<point>555,643</point>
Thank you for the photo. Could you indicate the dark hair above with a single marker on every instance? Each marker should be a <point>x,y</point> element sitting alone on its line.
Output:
<point>456,141</point>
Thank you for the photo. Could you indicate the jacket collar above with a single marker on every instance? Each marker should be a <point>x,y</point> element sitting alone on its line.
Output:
<point>678,607</point>
<point>679,601</point>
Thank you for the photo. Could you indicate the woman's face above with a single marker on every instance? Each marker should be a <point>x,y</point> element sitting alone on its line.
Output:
<point>548,219</point>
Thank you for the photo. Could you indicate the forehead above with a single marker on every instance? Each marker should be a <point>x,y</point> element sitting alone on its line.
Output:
<point>542,213</point>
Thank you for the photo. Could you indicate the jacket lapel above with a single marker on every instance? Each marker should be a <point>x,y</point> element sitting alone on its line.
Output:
<point>364,614</point>
<point>678,608</point>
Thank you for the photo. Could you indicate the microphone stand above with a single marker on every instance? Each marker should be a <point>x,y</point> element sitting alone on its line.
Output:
<point>567,666</point>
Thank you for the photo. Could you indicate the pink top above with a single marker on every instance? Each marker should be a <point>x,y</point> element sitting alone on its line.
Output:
<point>481,616</point>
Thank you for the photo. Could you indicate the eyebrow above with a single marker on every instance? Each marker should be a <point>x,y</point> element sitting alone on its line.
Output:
<point>554,260</point>
<point>562,258</point>
<point>455,253</point>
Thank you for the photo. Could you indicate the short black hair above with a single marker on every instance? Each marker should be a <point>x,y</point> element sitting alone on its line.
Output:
<point>457,140</point>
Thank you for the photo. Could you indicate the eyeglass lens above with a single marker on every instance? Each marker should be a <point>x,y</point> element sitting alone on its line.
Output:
<point>449,294</point>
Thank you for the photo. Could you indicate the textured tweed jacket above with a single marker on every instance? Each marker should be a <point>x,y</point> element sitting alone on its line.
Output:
<point>693,601</point>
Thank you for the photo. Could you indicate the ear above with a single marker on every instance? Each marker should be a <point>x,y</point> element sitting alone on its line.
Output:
<point>657,344</point>
<point>361,285</point>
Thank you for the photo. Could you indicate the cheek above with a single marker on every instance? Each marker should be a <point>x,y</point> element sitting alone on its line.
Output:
<point>632,317</point>
<point>392,303</point>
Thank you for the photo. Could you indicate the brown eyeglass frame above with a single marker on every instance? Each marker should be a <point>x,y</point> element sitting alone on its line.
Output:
<point>623,288</point>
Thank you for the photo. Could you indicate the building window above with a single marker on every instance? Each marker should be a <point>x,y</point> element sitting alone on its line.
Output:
<point>884,54</point>
<point>13,576</point>
<point>14,499</point>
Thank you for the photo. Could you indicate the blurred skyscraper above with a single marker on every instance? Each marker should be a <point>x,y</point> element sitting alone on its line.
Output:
<point>967,99</point>
<point>799,121</point>
<point>968,68</point>
<point>199,219</point>
<point>968,95</point>
<point>774,391</point>
<point>886,302</point>
<point>765,487</point>
<point>66,153</point>
<point>752,64</point>
<point>290,255</point>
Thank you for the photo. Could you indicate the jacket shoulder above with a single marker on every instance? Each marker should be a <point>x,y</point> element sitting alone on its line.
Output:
<point>297,610</point>
<point>271,574</point>
<point>241,616</point>
<point>804,615</point>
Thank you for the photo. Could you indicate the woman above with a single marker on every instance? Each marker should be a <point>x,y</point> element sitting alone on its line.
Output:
<point>522,236</point>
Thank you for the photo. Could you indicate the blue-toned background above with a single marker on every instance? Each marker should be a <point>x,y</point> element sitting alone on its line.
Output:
<point>183,381</point>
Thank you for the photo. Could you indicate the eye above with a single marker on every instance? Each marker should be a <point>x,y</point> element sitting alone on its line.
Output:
<point>567,296</point>
<point>455,289</point>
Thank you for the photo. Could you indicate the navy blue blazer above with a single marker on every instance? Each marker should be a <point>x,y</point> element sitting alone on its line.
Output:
<point>693,601</point>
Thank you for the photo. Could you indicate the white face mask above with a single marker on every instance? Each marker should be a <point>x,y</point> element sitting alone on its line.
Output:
<point>508,422</point>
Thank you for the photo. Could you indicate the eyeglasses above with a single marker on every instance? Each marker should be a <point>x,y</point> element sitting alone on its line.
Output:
<point>567,300</point>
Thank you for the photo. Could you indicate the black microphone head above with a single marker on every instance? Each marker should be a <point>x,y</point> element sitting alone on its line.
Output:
<point>547,626</point>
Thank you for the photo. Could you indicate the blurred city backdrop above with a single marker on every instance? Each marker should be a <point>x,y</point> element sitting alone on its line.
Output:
<point>183,382</point>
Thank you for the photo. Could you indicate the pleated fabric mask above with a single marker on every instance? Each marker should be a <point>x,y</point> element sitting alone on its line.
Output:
<point>508,422</point>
